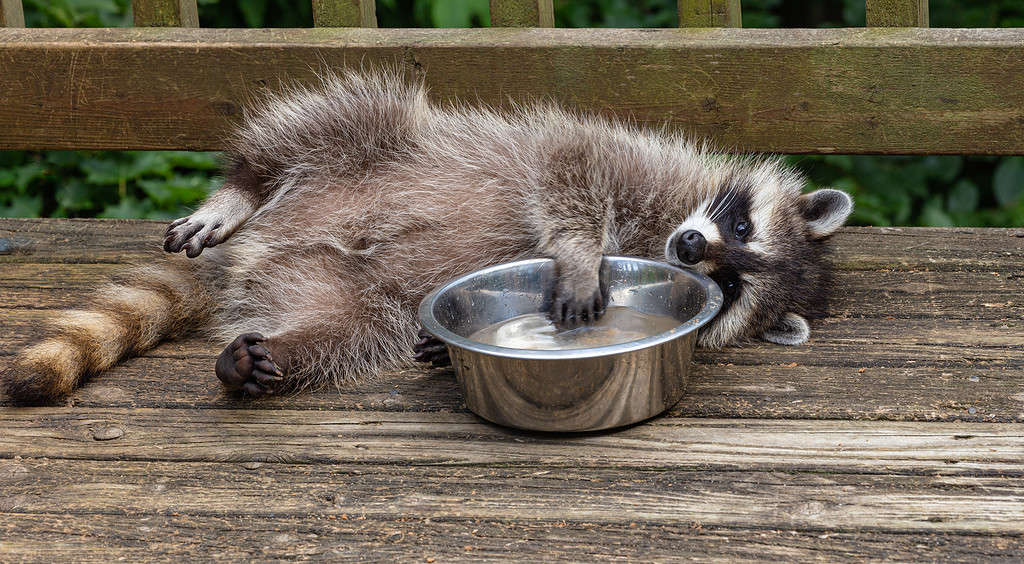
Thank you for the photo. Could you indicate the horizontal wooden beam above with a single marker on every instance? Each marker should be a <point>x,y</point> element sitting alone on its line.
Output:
<point>789,91</point>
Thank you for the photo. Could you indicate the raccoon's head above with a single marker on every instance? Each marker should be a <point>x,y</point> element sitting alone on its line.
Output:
<point>763,243</point>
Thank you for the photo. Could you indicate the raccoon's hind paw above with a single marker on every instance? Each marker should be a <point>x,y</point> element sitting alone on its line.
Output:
<point>247,365</point>
<point>197,232</point>
<point>431,349</point>
<point>569,311</point>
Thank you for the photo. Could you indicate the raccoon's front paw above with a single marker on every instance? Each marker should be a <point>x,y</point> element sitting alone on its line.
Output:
<point>247,365</point>
<point>577,305</point>
<point>431,349</point>
<point>197,232</point>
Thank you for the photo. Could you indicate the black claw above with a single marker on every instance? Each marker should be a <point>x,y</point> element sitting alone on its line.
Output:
<point>268,367</point>
<point>265,378</point>
<point>259,351</point>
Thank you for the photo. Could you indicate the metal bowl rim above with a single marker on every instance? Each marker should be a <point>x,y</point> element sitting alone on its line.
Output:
<point>712,305</point>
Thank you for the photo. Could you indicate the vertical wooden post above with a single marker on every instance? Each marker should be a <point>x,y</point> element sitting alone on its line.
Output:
<point>344,13</point>
<point>710,13</point>
<point>522,13</point>
<point>165,13</point>
<point>11,14</point>
<point>897,13</point>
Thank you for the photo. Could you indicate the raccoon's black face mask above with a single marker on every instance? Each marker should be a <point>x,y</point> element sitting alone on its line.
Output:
<point>766,251</point>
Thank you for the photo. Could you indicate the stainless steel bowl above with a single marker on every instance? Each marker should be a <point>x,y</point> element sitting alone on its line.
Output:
<point>576,389</point>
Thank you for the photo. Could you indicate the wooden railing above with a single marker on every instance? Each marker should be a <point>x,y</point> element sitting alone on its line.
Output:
<point>853,90</point>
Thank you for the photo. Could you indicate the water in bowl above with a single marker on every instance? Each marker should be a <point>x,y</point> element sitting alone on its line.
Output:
<point>536,332</point>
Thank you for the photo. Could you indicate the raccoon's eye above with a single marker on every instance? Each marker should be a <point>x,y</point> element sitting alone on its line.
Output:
<point>741,230</point>
<point>731,284</point>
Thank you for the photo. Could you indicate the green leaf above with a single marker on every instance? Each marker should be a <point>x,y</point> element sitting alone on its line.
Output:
<point>146,163</point>
<point>963,198</point>
<point>74,195</point>
<point>254,12</point>
<point>944,168</point>
<point>1008,181</point>
<point>193,160</point>
<point>459,13</point>
<point>177,189</point>
<point>23,206</point>
<point>63,158</point>
<point>102,172</point>
<point>933,215</point>
<point>127,208</point>
<point>25,174</point>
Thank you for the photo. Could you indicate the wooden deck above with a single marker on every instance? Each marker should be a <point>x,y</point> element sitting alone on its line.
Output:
<point>897,433</point>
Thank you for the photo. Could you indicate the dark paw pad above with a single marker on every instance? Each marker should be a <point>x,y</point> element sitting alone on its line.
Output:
<point>431,349</point>
<point>247,365</point>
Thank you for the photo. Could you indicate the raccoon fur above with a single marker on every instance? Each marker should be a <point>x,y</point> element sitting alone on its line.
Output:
<point>345,203</point>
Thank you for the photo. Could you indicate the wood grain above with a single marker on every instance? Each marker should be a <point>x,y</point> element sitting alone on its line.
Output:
<point>11,13</point>
<point>165,13</point>
<point>667,496</point>
<point>344,13</point>
<point>926,325</point>
<point>413,439</point>
<point>960,249</point>
<point>323,535</point>
<point>896,433</point>
<point>710,13</point>
<point>897,13</point>
<point>522,13</point>
<point>846,90</point>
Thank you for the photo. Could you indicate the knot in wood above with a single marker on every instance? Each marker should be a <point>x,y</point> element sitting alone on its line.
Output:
<point>107,433</point>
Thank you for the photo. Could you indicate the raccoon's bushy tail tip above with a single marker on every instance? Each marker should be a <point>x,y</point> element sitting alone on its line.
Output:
<point>124,318</point>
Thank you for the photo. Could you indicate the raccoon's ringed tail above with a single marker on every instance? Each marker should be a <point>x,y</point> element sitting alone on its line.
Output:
<point>123,319</point>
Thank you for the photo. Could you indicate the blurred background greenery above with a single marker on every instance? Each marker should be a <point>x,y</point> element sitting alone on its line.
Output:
<point>900,190</point>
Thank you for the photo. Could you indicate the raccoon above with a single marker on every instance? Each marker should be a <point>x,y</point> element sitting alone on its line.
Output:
<point>343,204</point>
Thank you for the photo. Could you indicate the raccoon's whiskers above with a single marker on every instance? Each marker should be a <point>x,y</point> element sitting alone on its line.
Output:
<point>723,205</point>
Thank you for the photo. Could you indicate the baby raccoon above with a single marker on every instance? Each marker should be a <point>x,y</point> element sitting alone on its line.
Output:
<point>344,204</point>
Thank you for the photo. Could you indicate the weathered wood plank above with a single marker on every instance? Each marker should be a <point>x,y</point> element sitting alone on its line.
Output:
<point>404,439</point>
<point>598,495</point>
<point>897,13</point>
<point>11,13</point>
<point>522,13</point>
<point>180,377</point>
<point>916,298</point>
<point>344,13</point>
<point>909,344</point>
<point>856,248</point>
<point>710,13</point>
<point>326,534</point>
<point>846,90</point>
<point>165,13</point>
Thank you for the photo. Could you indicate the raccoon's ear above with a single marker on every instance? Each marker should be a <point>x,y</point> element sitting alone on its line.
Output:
<point>825,211</point>
<point>790,330</point>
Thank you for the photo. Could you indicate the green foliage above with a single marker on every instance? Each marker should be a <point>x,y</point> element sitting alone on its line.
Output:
<point>77,13</point>
<point>932,190</point>
<point>887,190</point>
<point>150,184</point>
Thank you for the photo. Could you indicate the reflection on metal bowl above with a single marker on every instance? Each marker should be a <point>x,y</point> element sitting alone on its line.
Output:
<point>581,389</point>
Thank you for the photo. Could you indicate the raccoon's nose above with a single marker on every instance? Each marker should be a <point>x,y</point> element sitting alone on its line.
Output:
<point>690,246</point>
